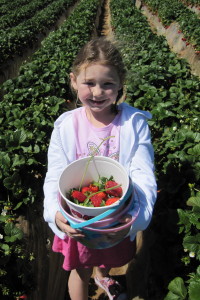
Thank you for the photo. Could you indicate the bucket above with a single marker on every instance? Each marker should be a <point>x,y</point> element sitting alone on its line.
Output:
<point>97,237</point>
<point>101,166</point>
<point>110,221</point>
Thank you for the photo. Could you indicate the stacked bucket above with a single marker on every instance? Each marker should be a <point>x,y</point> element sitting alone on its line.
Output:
<point>100,225</point>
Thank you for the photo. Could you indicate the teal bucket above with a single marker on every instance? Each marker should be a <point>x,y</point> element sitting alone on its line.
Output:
<point>101,234</point>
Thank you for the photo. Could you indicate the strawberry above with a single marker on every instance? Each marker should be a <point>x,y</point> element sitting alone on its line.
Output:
<point>93,188</point>
<point>96,200</point>
<point>117,192</point>
<point>102,195</point>
<point>111,200</point>
<point>76,213</point>
<point>85,190</point>
<point>78,195</point>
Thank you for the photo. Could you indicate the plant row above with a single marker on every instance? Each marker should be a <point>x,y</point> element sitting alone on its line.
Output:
<point>192,2</point>
<point>23,13</point>
<point>160,82</point>
<point>170,11</point>
<point>30,105</point>
<point>7,6</point>
<point>15,40</point>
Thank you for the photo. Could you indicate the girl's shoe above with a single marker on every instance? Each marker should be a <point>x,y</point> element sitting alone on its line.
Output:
<point>112,287</point>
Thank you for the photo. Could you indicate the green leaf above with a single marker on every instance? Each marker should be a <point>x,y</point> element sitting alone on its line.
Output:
<point>5,247</point>
<point>194,201</point>
<point>192,243</point>
<point>11,181</point>
<point>177,288</point>
<point>18,205</point>
<point>13,233</point>
<point>195,151</point>
<point>18,160</point>
<point>4,159</point>
<point>171,296</point>
<point>194,290</point>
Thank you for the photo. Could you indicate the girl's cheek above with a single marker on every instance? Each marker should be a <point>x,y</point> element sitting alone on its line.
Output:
<point>84,93</point>
<point>86,90</point>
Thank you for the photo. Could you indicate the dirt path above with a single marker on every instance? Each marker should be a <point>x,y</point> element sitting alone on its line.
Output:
<point>119,274</point>
<point>132,276</point>
<point>11,68</point>
<point>174,38</point>
<point>106,28</point>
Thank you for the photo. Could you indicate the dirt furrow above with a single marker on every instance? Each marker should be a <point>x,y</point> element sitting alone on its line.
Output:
<point>11,68</point>
<point>174,37</point>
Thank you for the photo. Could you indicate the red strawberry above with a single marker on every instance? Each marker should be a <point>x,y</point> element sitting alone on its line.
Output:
<point>93,188</point>
<point>114,192</point>
<point>111,200</point>
<point>85,189</point>
<point>102,195</point>
<point>76,213</point>
<point>96,200</point>
<point>78,195</point>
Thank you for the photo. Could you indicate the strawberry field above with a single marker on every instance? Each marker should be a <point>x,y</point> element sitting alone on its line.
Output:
<point>158,81</point>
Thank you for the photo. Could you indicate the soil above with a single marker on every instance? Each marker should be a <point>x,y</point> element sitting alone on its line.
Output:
<point>51,279</point>
<point>173,37</point>
<point>11,68</point>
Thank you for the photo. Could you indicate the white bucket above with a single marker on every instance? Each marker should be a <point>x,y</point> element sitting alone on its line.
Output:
<point>101,166</point>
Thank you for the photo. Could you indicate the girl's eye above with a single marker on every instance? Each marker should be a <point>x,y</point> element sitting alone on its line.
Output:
<point>108,83</point>
<point>88,83</point>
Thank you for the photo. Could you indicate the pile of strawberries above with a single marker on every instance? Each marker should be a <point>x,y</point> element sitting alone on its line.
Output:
<point>96,194</point>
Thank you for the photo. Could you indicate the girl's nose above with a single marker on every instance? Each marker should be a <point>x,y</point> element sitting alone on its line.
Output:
<point>97,91</point>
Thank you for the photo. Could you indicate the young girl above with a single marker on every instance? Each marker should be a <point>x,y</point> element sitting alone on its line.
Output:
<point>97,77</point>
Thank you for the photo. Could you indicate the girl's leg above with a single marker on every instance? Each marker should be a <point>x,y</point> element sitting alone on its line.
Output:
<point>78,283</point>
<point>102,272</point>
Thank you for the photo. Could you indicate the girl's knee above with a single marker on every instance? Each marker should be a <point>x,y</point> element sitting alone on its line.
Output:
<point>85,274</point>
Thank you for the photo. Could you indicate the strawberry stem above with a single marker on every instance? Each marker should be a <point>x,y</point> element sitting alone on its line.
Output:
<point>91,157</point>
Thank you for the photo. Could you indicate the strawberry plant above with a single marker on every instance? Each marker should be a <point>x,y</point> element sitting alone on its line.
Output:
<point>12,18</point>
<point>187,20</point>
<point>160,82</point>
<point>14,40</point>
<point>189,225</point>
<point>30,104</point>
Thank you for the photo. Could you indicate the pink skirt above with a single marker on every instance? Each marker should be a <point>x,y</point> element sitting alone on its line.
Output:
<point>78,256</point>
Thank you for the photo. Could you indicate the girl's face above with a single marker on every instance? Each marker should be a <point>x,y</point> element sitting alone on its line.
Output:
<point>97,86</point>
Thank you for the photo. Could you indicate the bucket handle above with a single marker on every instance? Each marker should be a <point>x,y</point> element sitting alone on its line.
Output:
<point>108,230</point>
<point>101,216</point>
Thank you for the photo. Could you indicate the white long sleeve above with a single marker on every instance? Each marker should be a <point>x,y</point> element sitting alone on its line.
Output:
<point>136,155</point>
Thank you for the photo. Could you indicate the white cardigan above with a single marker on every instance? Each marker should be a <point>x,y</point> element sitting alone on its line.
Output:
<point>136,155</point>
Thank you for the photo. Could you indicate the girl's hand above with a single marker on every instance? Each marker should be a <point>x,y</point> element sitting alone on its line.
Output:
<point>61,222</point>
<point>118,235</point>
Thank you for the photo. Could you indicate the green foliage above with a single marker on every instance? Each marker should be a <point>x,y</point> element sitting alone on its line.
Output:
<point>14,17</point>
<point>14,40</point>
<point>160,82</point>
<point>170,11</point>
<point>31,102</point>
<point>177,290</point>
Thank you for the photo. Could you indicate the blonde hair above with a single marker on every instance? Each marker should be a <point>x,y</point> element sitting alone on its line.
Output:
<point>102,51</point>
<point>99,50</point>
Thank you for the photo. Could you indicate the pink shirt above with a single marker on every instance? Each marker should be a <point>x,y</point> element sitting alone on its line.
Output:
<point>89,137</point>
